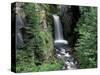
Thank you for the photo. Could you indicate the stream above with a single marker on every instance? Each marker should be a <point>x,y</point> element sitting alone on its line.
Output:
<point>63,51</point>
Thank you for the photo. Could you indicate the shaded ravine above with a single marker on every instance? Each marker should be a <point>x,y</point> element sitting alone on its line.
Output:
<point>63,51</point>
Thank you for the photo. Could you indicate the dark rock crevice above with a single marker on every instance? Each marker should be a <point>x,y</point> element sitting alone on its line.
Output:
<point>69,17</point>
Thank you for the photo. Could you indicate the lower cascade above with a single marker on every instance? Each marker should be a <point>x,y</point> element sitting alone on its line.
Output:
<point>63,51</point>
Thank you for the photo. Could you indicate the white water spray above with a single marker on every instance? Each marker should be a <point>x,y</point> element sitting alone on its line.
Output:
<point>61,45</point>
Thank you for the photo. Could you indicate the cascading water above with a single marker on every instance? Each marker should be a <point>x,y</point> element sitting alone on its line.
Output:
<point>61,45</point>
<point>59,39</point>
<point>58,28</point>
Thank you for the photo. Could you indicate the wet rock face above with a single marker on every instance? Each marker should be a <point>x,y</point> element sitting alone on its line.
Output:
<point>69,18</point>
<point>20,23</point>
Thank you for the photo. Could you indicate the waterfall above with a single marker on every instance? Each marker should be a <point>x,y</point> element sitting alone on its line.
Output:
<point>59,39</point>
<point>61,45</point>
<point>58,28</point>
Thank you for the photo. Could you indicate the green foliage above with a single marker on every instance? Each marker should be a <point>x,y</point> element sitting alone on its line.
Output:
<point>37,52</point>
<point>26,63</point>
<point>86,47</point>
<point>51,66</point>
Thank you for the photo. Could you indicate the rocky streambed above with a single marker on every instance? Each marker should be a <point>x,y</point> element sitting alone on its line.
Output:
<point>65,55</point>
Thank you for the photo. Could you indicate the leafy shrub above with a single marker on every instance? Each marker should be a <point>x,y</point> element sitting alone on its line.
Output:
<point>86,47</point>
<point>37,52</point>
